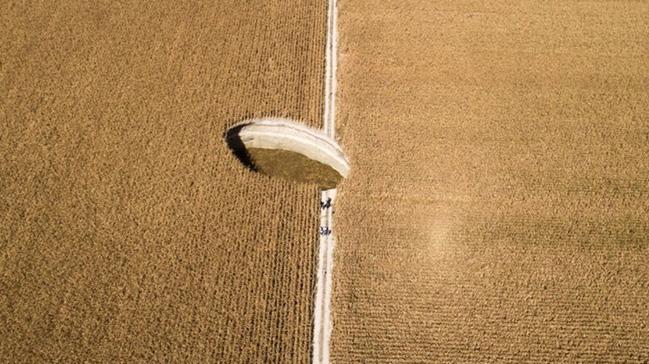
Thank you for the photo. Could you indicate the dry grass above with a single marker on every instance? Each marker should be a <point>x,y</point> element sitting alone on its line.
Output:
<point>498,208</point>
<point>128,231</point>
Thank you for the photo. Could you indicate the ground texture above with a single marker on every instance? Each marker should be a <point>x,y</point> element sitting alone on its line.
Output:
<point>128,231</point>
<point>497,208</point>
<point>498,203</point>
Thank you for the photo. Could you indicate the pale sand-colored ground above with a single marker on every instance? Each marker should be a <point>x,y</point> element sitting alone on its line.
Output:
<point>498,204</point>
<point>128,231</point>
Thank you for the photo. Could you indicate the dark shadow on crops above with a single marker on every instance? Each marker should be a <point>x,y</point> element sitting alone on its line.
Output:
<point>237,147</point>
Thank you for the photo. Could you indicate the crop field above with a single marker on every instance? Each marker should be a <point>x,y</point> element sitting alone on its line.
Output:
<point>498,204</point>
<point>128,231</point>
<point>496,207</point>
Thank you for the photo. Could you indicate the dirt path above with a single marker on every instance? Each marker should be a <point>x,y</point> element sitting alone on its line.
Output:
<point>498,204</point>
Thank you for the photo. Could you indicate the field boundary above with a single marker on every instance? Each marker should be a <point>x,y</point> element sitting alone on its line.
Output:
<point>322,324</point>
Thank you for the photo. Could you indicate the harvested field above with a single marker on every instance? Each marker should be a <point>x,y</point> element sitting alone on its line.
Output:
<point>498,204</point>
<point>128,231</point>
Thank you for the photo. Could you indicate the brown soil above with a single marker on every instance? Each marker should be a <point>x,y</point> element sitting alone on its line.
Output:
<point>128,231</point>
<point>498,204</point>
